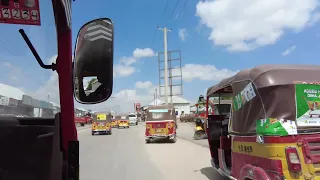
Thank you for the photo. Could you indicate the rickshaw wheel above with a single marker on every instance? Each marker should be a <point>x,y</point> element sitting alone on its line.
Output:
<point>92,133</point>
<point>148,141</point>
<point>198,135</point>
<point>174,140</point>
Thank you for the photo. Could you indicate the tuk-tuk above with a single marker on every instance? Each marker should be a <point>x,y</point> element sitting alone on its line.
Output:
<point>161,123</point>
<point>114,121</point>
<point>272,130</point>
<point>123,122</point>
<point>102,124</point>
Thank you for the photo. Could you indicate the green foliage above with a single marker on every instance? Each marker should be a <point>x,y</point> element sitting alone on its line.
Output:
<point>90,83</point>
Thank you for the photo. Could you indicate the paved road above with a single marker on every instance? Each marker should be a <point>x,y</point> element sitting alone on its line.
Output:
<point>124,155</point>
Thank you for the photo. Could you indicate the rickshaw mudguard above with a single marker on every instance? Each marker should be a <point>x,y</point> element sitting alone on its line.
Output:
<point>253,172</point>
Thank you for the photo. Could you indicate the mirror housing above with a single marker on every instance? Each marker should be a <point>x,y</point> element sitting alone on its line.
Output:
<point>93,62</point>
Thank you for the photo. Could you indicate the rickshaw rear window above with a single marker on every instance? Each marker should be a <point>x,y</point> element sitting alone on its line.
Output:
<point>158,110</point>
<point>157,115</point>
<point>123,117</point>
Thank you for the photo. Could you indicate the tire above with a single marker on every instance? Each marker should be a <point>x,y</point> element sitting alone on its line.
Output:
<point>148,141</point>
<point>174,140</point>
<point>92,133</point>
<point>198,135</point>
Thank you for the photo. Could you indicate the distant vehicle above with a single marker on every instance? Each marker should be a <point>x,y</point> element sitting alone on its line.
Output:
<point>133,119</point>
<point>82,120</point>
<point>123,122</point>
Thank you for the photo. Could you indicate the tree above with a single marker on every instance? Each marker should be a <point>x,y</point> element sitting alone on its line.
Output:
<point>89,87</point>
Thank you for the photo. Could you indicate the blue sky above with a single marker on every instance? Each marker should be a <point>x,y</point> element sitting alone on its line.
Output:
<point>221,38</point>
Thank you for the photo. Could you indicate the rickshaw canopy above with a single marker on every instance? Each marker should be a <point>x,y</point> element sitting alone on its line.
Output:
<point>269,87</point>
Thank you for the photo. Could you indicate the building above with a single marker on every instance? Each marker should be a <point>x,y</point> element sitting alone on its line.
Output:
<point>80,111</point>
<point>181,105</point>
<point>56,108</point>
<point>15,101</point>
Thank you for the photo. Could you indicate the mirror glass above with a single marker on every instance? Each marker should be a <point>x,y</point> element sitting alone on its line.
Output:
<point>93,62</point>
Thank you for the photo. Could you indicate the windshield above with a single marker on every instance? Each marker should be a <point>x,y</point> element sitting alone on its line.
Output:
<point>27,90</point>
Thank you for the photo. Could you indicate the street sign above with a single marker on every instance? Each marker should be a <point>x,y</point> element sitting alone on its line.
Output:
<point>16,12</point>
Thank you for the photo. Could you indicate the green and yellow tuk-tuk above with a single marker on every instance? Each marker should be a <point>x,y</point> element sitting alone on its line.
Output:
<point>101,123</point>
<point>123,122</point>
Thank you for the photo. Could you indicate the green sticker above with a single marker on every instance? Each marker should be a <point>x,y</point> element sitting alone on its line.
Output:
<point>276,127</point>
<point>308,104</point>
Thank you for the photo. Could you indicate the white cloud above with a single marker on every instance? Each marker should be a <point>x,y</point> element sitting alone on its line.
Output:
<point>127,61</point>
<point>53,59</point>
<point>144,85</point>
<point>123,70</point>
<point>183,34</point>
<point>176,90</point>
<point>249,24</point>
<point>288,51</point>
<point>143,53</point>
<point>50,88</point>
<point>205,72</point>
<point>123,101</point>
<point>125,66</point>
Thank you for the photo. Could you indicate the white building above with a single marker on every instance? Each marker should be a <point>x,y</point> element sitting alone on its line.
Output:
<point>181,105</point>
<point>11,92</point>
<point>56,108</point>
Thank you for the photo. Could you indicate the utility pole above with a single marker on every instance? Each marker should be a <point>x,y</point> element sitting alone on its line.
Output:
<point>165,30</point>
<point>156,95</point>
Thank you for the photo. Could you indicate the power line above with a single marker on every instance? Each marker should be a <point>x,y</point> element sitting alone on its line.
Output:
<point>185,4</point>
<point>162,15</point>
<point>174,9</point>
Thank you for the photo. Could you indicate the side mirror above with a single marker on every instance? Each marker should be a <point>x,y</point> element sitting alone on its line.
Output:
<point>93,62</point>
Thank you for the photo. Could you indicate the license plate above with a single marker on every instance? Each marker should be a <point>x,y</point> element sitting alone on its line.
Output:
<point>158,130</point>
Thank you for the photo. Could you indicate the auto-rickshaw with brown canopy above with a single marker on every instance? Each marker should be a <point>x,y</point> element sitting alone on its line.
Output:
<point>161,123</point>
<point>270,133</point>
<point>48,148</point>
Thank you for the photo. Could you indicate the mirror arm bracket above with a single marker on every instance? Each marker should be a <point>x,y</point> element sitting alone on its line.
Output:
<point>35,53</point>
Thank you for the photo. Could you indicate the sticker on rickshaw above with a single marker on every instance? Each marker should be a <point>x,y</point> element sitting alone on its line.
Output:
<point>102,117</point>
<point>243,97</point>
<point>307,104</point>
<point>276,127</point>
<point>26,12</point>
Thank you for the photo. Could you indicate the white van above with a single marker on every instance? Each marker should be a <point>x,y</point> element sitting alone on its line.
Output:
<point>133,119</point>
